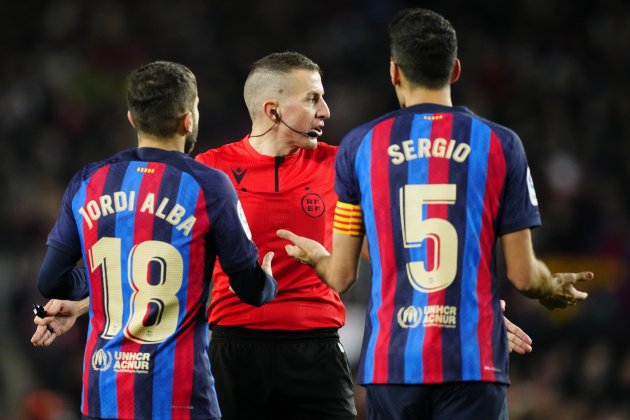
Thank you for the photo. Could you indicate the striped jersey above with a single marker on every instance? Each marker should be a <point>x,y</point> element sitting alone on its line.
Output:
<point>293,192</point>
<point>150,224</point>
<point>437,186</point>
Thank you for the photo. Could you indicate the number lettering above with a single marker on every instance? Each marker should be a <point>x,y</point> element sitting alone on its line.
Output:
<point>154,307</point>
<point>417,230</point>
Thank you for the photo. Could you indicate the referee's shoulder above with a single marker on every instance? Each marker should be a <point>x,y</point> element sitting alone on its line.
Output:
<point>210,156</point>
<point>325,149</point>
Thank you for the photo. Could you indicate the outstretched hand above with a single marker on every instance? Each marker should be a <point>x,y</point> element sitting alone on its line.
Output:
<point>62,314</point>
<point>518,340</point>
<point>304,250</point>
<point>562,291</point>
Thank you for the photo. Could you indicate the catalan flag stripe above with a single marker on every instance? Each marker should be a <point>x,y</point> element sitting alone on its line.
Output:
<point>348,219</point>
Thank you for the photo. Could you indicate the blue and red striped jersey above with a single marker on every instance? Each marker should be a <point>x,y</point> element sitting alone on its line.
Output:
<point>150,224</point>
<point>437,185</point>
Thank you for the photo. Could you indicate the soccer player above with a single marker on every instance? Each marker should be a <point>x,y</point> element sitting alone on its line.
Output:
<point>433,186</point>
<point>149,223</point>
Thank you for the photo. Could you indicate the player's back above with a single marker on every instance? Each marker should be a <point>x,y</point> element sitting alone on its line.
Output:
<point>437,185</point>
<point>143,218</point>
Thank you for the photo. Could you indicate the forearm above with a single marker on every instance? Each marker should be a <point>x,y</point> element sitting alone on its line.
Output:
<point>337,275</point>
<point>252,285</point>
<point>60,279</point>
<point>540,281</point>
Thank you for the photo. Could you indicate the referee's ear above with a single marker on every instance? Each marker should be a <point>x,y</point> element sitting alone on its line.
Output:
<point>130,118</point>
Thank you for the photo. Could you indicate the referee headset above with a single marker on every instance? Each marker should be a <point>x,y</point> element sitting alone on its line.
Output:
<point>311,134</point>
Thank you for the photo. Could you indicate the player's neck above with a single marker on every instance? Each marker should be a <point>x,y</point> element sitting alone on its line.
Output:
<point>175,143</point>
<point>419,95</point>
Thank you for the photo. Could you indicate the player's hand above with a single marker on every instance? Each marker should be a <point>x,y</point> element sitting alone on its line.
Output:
<point>305,250</point>
<point>518,340</point>
<point>62,314</point>
<point>266,263</point>
<point>562,292</point>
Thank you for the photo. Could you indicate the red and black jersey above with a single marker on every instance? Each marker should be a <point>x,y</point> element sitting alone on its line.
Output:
<point>294,192</point>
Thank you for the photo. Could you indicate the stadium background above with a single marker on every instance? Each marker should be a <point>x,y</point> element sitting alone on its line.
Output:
<point>554,71</point>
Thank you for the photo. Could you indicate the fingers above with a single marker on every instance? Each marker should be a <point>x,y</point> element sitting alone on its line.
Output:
<point>584,276</point>
<point>266,263</point>
<point>53,306</point>
<point>287,234</point>
<point>518,340</point>
<point>42,321</point>
<point>298,253</point>
<point>502,305</point>
<point>42,337</point>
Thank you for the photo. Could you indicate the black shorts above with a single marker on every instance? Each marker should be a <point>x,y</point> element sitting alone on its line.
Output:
<point>448,401</point>
<point>281,374</point>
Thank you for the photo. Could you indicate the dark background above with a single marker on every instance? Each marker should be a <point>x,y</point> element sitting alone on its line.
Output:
<point>554,71</point>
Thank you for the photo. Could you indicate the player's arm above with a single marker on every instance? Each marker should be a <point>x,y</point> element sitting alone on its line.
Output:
<point>255,285</point>
<point>338,270</point>
<point>59,277</point>
<point>532,277</point>
<point>61,316</point>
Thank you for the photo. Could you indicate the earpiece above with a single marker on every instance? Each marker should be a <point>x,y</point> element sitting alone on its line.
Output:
<point>312,134</point>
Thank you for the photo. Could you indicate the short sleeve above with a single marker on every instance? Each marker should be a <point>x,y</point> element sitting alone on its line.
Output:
<point>64,234</point>
<point>232,234</point>
<point>520,205</point>
<point>346,182</point>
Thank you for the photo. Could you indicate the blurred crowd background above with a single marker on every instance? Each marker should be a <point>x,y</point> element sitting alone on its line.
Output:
<point>557,72</point>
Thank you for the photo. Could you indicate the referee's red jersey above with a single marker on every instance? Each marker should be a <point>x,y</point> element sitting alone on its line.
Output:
<point>294,192</point>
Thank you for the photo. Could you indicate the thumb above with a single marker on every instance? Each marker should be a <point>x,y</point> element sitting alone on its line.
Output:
<point>266,263</point>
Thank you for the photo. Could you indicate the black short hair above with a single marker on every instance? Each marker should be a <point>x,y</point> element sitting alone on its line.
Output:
<point>424,45</point>
<point>159,94</point>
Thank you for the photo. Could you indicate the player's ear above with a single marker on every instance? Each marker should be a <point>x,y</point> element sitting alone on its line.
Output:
<point>187,123</point>
<point>130,118</point>
<point>394,73</point>
<point>457,69</point>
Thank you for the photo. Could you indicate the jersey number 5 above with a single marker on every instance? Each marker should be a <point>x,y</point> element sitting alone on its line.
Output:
<point>154,307</point>
<point>416,230</point>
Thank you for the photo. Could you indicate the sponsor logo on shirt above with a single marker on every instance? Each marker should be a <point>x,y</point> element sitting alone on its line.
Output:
<point>441,316</point>
<point>410,316</point>
<point>101,360</point>
<point>123,361</point>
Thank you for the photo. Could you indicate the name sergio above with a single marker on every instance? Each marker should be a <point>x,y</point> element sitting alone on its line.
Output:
<point>173,213</point>
<point>426,148</point>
